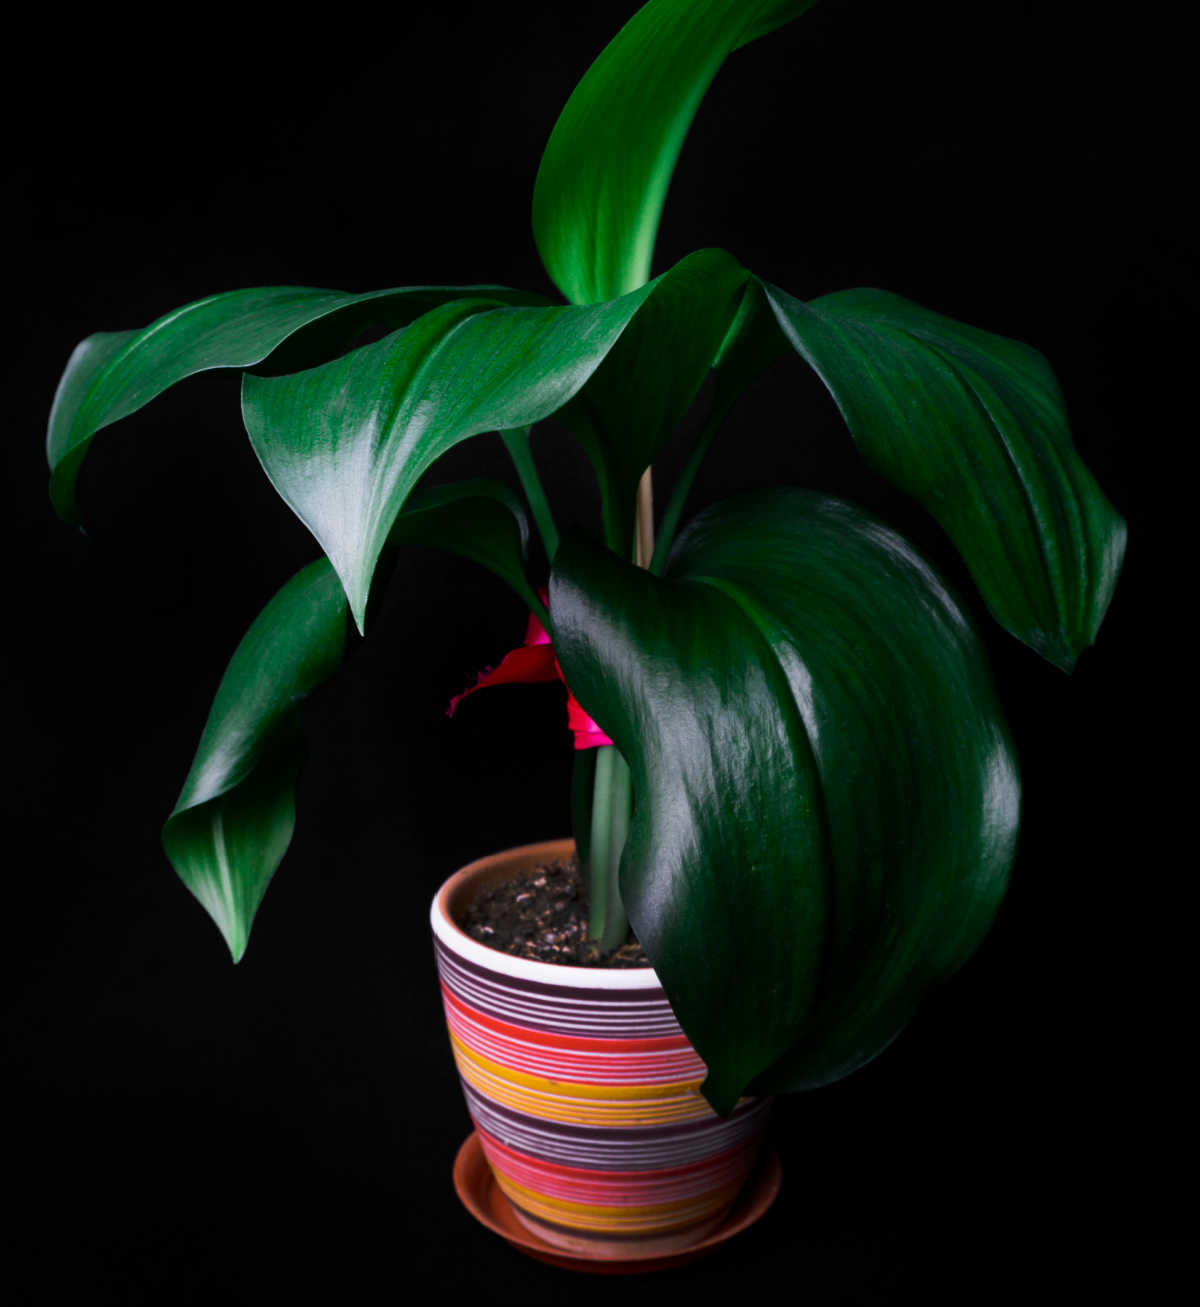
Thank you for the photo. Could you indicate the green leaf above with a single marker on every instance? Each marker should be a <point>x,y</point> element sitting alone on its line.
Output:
<point>113,374</point>
<point>632,403</point>
<point>973,426</point>
<point>482,520</point>
<point>604,175</point>
<point>344,444</point>
<point>233,821</point>
<point>825,799</point>
<point>752,344</point>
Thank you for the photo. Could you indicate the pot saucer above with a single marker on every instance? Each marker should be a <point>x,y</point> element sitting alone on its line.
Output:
<point>482,1197</point>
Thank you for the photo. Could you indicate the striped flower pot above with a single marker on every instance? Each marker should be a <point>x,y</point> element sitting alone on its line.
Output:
<point>584,1090</point>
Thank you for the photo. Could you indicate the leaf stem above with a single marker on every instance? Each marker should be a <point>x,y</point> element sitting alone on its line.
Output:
<point>607,923</point>
<point>612,791</point>
<point>683,486</point>
<point>516,442</point>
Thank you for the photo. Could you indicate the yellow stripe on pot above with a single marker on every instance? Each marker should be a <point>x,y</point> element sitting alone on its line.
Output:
<point>573,1090</point>
<point>627,1220</point>
<point>548,1107</point>
<point>556,1100</point>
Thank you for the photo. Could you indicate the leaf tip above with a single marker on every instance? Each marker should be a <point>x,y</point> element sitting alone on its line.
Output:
<point>356,601</point>
<point>234,929</point>
<point>1059,651</point>
<point>63,499</point>
<point>721,1094</point>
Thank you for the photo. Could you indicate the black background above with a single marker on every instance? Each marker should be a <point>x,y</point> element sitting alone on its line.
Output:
<point>182,1131</point>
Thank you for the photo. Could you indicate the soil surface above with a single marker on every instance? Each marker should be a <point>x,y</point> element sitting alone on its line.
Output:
<point>543,915</point>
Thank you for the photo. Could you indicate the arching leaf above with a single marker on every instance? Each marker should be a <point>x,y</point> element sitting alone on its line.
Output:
<point>825,801</point>
<point>345,443</point>
<point>233,821</point>
<point>604,175</point>
<point>114,373</point>
<point>974,427</point>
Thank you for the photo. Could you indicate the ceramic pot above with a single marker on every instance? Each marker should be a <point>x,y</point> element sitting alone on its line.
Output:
<point>583,1089</point>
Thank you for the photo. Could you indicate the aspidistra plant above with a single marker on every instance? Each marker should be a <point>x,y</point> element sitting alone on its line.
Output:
<point>809,805</point>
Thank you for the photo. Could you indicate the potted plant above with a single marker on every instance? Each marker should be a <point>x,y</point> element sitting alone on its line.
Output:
<point>809,806</point>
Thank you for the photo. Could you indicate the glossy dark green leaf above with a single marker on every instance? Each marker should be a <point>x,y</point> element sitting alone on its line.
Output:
<point>603,178</point>
<point>482,520</point>
<point>233,821</point>
<point>113,374</point>
<point>345,443</point>
<point>633,402</point>
<point>974,427</point>
<point>825,798</point>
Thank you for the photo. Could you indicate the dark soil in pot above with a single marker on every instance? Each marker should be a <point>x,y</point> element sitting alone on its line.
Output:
<point>543,915</point>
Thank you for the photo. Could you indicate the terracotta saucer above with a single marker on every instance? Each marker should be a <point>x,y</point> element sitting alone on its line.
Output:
<point>483,1198</point>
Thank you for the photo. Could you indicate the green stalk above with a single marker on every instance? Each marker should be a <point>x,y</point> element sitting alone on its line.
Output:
<point>604,773</point>
<point>611,801</point>
<point>516,442</point>
<point>670,522</point>
<point>611,508</point>
<point>612,791</point>
<point>616,523</point>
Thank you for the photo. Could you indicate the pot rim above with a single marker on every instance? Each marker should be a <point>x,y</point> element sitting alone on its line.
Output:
<point>546,973</point>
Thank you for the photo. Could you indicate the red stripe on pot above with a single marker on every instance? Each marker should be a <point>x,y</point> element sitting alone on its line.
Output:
<point>550,1039</point>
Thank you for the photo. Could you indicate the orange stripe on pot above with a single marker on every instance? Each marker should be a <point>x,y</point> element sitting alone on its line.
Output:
<point>575,1089</point>
<point>553,1105</point>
